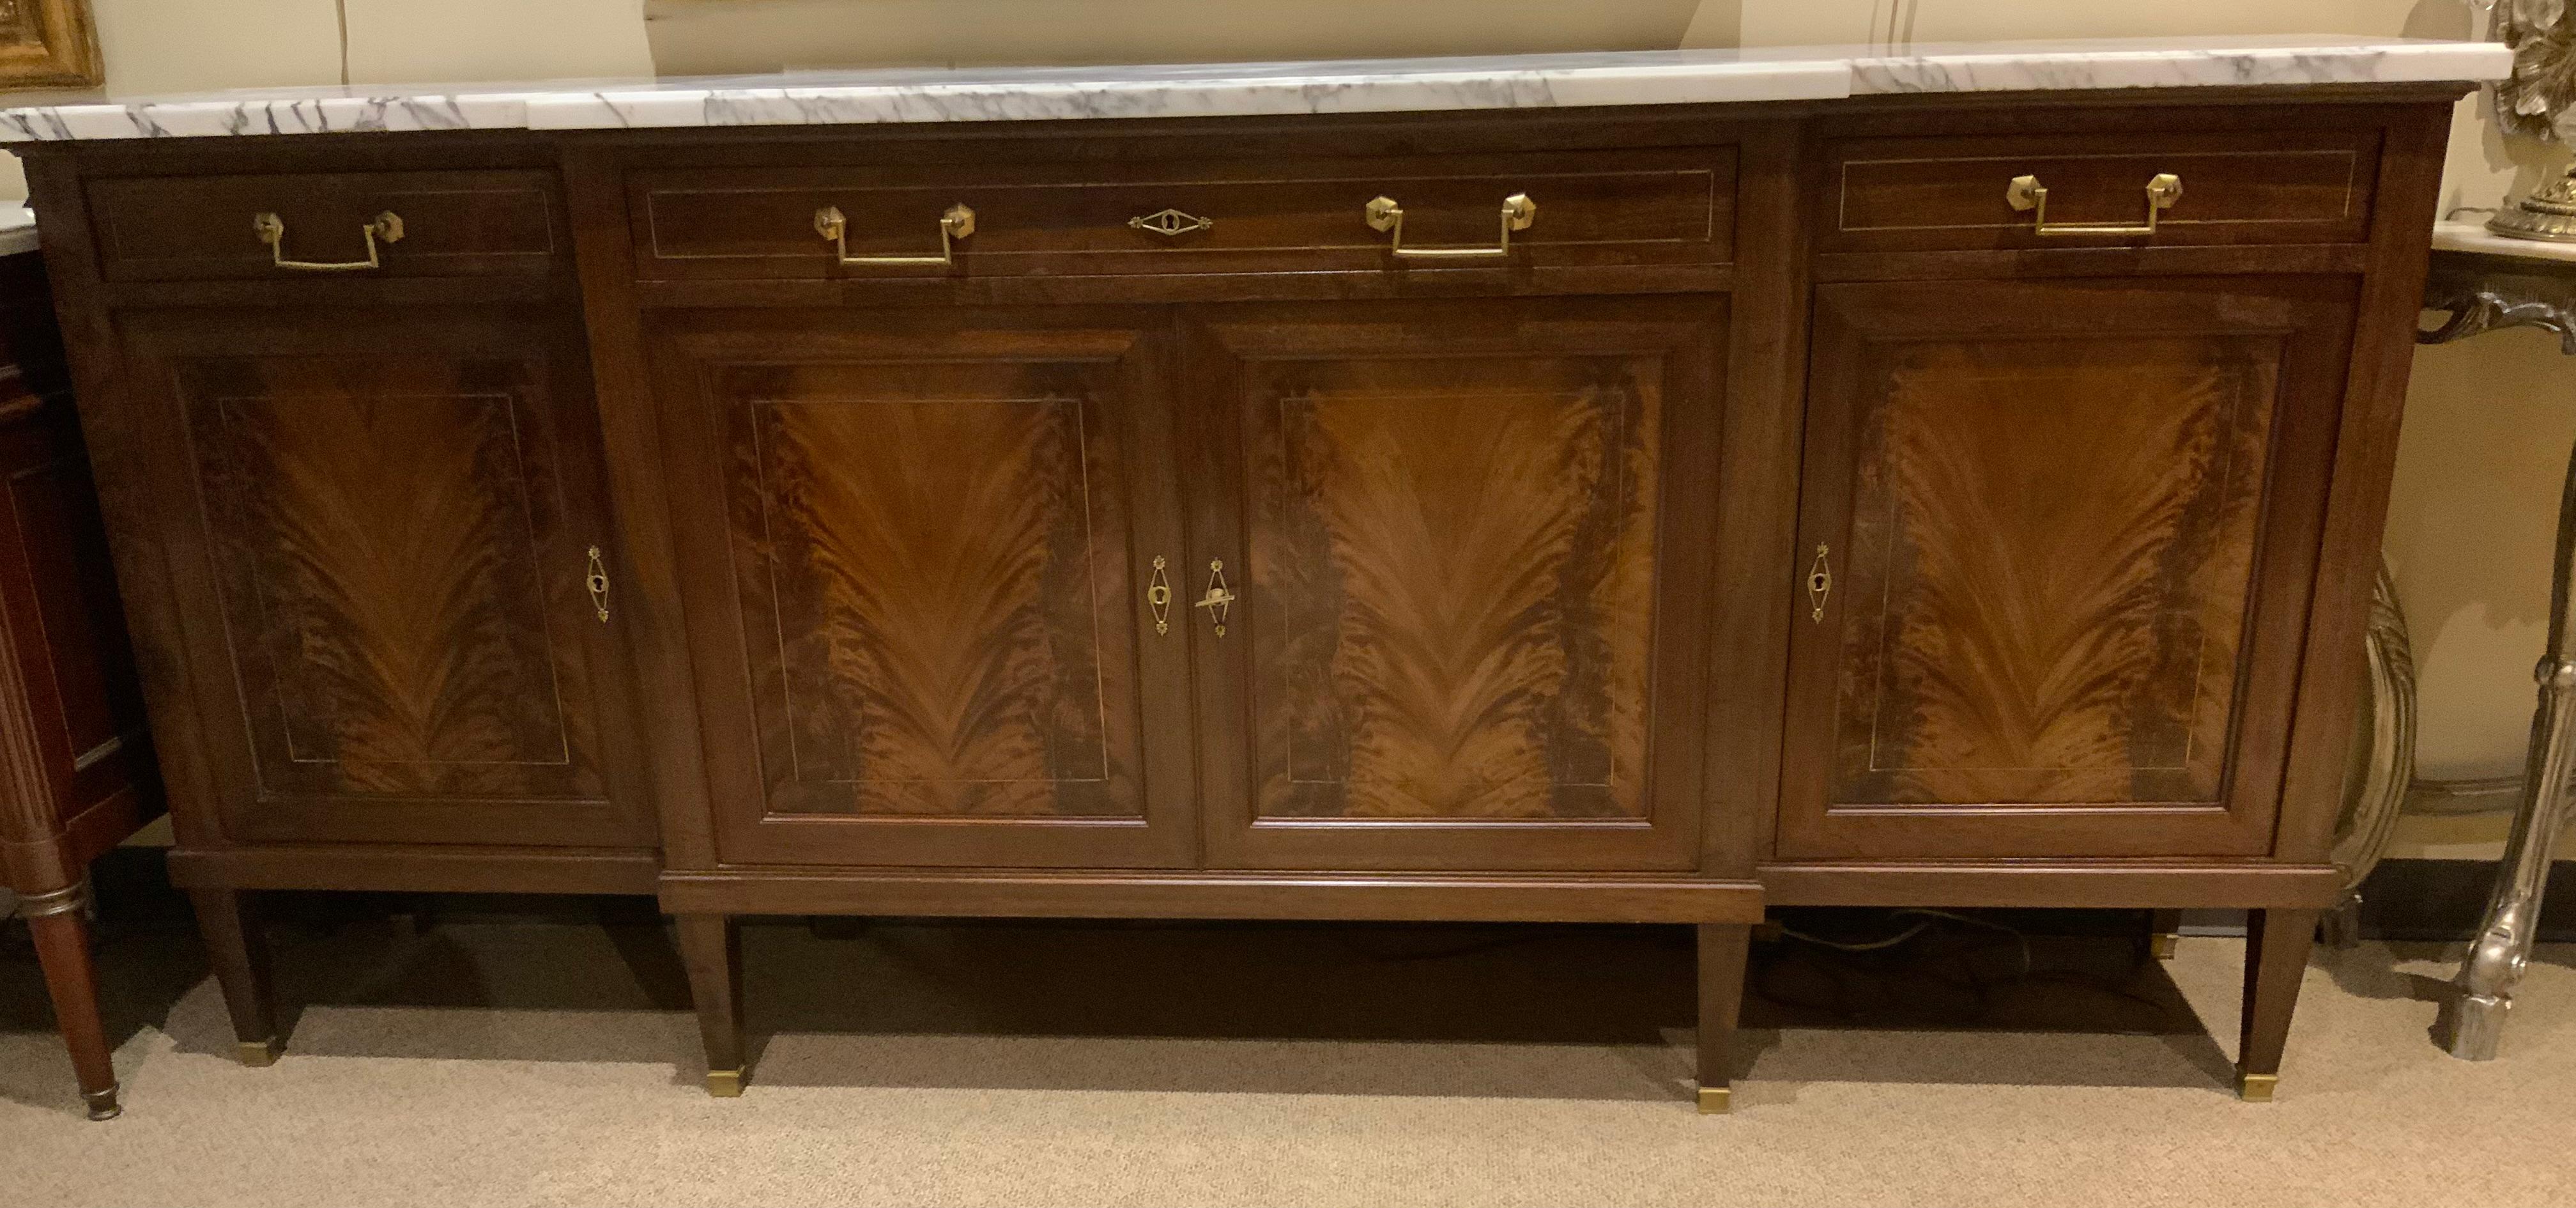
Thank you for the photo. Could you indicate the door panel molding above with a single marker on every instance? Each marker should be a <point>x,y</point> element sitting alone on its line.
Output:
<point>916,549</point>
<point>1471,541</point>
<point>2070,528</point>
<point>392,514</point>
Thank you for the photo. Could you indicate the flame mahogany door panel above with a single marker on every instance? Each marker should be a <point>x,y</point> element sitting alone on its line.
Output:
<point>918,551</point>
<point>1470,544</point>
<point>381,526</point>
<point>2069,529</point>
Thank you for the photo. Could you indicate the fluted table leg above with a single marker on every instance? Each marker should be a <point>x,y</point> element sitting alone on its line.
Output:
<point>63,948</point>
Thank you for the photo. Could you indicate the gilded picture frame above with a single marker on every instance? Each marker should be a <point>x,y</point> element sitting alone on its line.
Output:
<point>48,44</point>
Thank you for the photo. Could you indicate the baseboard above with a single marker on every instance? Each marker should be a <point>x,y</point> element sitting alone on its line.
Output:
<point>2446,900</point>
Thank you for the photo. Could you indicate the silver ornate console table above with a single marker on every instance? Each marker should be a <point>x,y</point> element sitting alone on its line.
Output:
<point>2488,282</point>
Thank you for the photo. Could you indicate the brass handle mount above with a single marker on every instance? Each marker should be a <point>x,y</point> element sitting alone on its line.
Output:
<point>2026,194</point>
<point>597,582</point>
<point>1820,584</point>
<point>1383,214</point>
<point>956,223</point>
<point>1158,596</point>
<point>1218,598</point>
<point>1170,223</point>
<point>384,228</point>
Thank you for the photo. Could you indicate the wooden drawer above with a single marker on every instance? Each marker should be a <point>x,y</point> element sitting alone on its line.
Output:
<point>2242,187</point>
<point>453,224</point>
<point>1629,208</point>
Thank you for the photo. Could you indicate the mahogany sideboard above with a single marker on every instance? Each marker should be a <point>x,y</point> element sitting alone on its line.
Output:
<point>76,773</point>
<point>1634,513</point>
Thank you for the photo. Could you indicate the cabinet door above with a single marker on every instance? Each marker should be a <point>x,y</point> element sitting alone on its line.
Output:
<point>918,550</point>
<point>2058,539</point>
<point>1469,544</point>
<point>382,525</point>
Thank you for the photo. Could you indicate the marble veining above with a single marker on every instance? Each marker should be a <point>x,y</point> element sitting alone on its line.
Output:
<point>2170,63</point>
<point>1200,90</point>
<point>272,111</point>
<point>1003,94</point>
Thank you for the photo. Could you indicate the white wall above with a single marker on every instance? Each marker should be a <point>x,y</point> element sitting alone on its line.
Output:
<point>162,46</point>
<point>397,40</point>
<point>1798,22</point>
<point>700,36</point>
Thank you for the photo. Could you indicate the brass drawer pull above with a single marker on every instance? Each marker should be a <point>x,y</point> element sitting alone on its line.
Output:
<point>271,230</point>
<point>2026,193</point>
<point>1518,213</point>
<point>957,223</point>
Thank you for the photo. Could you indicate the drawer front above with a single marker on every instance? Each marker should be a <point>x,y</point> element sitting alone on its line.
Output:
<point>1906,194</point>
<point>451,224</point>
<point>1177,217</point>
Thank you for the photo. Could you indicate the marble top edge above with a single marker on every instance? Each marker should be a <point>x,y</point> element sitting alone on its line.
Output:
<point>916,94</point>
<point>2474,237</point>
<point>2164,64</point>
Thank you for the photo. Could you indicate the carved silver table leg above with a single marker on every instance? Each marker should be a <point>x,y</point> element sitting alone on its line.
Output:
<point>2373,797</point>
<point>2486,292</point>
<point>2496,957</point>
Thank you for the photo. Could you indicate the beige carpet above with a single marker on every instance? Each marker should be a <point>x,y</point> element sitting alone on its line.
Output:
<point>485,1062</point>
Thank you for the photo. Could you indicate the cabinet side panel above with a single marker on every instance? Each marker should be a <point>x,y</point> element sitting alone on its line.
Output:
<point>2364,461</point>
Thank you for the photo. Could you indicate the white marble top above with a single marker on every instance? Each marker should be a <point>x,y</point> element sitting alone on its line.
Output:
<point>2475,237</point>
<point>1239,89</point>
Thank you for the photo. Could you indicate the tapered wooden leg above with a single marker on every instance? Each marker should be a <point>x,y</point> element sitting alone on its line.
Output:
<point>60,926</point>
<point>1722,948</point>
<point>711,947</point>
<point>2164,933</point>
<point>240,957</point>
<point>2276,957</point>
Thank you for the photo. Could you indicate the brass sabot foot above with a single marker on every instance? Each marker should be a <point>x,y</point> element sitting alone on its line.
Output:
<point>103,1104</point>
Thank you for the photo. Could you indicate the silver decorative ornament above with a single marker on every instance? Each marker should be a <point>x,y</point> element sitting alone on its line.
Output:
<point>2539,101</point>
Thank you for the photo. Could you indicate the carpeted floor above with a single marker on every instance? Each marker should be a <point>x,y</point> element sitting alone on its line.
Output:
<point>482,1061</point>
